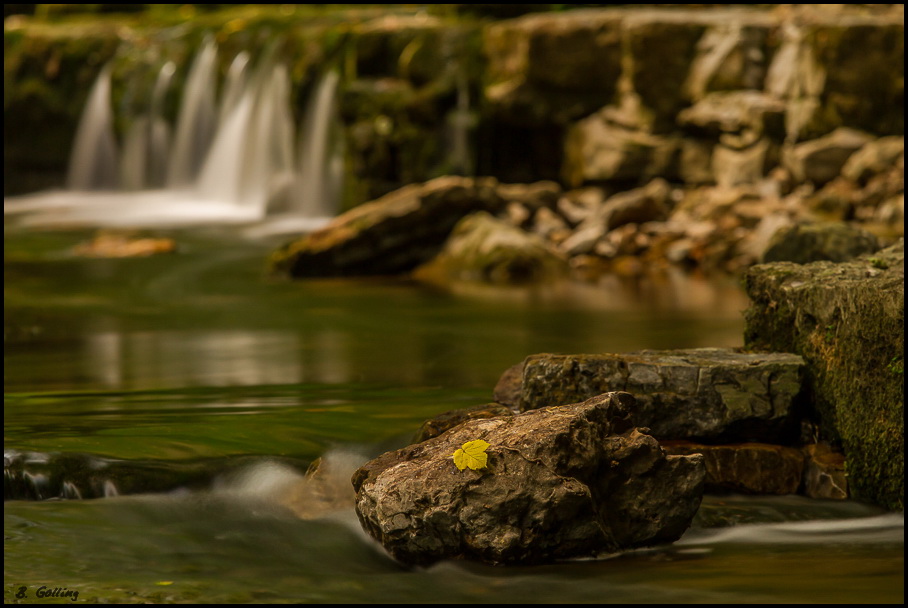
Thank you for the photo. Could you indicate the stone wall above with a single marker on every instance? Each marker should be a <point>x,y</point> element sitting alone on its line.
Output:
<point>585,96</point>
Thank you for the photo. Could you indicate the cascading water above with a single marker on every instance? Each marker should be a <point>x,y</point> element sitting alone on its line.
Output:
<point>228,163</point>
<point>147,144</point>
<point>196,122</point>
<point>94,154</point>
<point>321,152</point>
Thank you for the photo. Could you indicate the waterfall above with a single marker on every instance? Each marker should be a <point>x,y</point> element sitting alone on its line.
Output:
<point>196,120</point>
<point>320,151</point>
<point>234,159</point>
<point>253,150</point>
<point>146,147</point>
<point>93,161</point>
<point>461,122</point>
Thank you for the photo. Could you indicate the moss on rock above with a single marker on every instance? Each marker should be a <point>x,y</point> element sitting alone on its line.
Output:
<point>847,320</point>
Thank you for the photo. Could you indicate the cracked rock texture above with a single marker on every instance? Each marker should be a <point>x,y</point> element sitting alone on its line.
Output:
<point>704,393</point>
<point>572,481</point>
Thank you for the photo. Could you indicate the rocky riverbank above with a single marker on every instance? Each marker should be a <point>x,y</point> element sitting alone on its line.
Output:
<point>594,435</point>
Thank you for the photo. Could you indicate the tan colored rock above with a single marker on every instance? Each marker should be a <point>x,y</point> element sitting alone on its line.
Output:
<point>821,160</point>
<point>485,249</point>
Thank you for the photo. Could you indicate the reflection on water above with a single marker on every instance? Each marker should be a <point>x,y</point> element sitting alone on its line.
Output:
<point>186,358</point>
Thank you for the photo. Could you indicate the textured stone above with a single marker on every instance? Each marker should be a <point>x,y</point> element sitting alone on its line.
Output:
<point>560,483</point>
<point>392,234</point>
<point>448,420</point>
<point>681,394</point>
<point>840,70</point>
<point>815,242</point>
<point>507,390</point>
<point>751,468</point>
<point>735,112</point>
<point>847,321</point>
<point>552,67</point>
<point>874,158</point>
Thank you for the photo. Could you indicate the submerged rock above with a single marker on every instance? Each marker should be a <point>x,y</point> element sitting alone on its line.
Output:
<point>565,482</point>
<point>705,393</point>
<point>123,245</point>
<point>848,323</point>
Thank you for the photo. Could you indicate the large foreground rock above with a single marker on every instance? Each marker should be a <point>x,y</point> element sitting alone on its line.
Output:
<point>563,482</point>
<point>703,393</point>
<point>848,322</point>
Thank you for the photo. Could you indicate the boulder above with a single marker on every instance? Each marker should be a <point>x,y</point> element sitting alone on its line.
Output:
<point>559,483</point>
<point>734,166</point>
<point>705,393</point>
<point>814,242</point>
<point>640,205</point>
<point>847,321</point>
<point>390,235</point>
<point>486,249</point>
<point>74,475</point>
<point>730,55</point>
<point>837,70</point>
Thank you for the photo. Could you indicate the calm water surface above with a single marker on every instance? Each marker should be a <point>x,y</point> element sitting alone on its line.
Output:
<point>198,359</point>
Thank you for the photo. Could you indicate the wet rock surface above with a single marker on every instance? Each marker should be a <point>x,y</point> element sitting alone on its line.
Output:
<point>31,475</point>
<point>847,321</point>
<point>390,235</point>
<point>707,393</point>
<point>566,482</point>
<point>750,468</point>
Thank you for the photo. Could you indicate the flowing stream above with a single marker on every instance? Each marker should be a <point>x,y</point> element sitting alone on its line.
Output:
<point>182,397</point>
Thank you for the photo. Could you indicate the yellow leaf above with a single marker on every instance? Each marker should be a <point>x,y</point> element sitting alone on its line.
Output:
<point>472,454</point>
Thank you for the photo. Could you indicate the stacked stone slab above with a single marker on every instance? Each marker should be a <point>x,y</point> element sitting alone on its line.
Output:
<point>708,393</point>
